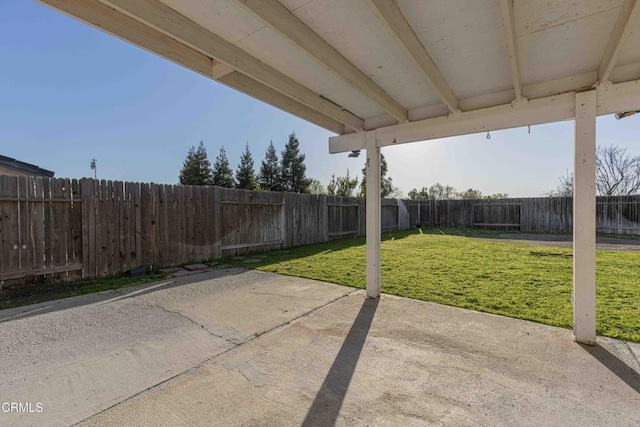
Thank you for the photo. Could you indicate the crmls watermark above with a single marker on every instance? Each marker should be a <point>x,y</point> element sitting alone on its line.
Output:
<point>21,407</point>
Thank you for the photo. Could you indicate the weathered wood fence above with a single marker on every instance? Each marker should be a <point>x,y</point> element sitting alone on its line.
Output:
<point>64,229</point>
<point>617,215</point>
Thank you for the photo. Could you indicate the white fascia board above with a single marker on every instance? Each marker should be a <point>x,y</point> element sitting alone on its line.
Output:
<point>611,99</point>
<point>551,109</point>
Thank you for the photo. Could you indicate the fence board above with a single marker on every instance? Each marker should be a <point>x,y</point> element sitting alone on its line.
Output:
<point>64,225</point>
<point>23,221</point>
<point>5,254</point>
<point>76,224</point>
<point>37,224</point>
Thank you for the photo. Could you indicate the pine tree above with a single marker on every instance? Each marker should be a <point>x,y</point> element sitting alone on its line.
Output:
<point>269,177</point>
<point>196,169</point>
<point>316,187</point>
<point>222,173</point>
<point>245,174</point>
<point>342,185</point>
<point>293,168</point>
<point>386,183</point>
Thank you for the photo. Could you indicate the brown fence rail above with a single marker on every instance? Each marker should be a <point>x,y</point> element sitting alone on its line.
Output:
<point>62,229</point>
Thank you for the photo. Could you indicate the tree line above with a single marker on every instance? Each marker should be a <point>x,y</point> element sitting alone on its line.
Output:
<point>442,192</point>
<point>347,186</point>
<point>285,174</point>
<point>617,174</point>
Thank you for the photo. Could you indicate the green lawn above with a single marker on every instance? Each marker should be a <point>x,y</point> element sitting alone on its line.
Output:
<point>510,278</point>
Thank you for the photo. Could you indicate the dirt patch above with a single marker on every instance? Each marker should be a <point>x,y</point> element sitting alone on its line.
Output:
<point>566,241</point>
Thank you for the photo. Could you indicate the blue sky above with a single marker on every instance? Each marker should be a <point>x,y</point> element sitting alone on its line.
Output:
<point>69,92</point>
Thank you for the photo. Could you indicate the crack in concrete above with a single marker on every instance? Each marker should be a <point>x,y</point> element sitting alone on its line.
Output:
<point>212,358</point>
<point>235,344</point>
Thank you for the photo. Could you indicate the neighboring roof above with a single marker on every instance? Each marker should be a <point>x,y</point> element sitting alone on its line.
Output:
<point>357,65</point>
<point>25,168</point>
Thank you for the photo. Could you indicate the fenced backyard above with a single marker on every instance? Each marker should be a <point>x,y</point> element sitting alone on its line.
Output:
<point>65,229</point>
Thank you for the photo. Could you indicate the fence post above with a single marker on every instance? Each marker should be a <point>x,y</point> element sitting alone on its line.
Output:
<point>283,222</point>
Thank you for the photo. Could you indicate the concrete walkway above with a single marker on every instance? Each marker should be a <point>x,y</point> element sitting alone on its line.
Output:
<point>352,361</point>
<point>81,355</point>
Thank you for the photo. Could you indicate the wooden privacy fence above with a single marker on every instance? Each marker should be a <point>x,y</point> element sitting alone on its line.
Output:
<point>40,227</point>
<point>65,229</point>
<point>617,215</point>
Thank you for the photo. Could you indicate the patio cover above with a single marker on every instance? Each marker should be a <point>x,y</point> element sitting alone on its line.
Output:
<point>385,72</point>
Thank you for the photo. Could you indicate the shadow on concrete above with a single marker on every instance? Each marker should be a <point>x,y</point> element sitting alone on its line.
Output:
<point>326,406</point>
<point>110,296</point>
<point>615,365</point>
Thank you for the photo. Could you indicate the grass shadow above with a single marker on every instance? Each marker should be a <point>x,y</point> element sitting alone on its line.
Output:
<point>326,406</point>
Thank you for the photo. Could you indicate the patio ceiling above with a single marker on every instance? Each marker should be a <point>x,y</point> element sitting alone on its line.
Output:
<point>402,66</point>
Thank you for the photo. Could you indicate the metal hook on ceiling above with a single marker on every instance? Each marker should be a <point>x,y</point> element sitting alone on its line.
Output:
<point>529,132</point>
<point>488,135</point>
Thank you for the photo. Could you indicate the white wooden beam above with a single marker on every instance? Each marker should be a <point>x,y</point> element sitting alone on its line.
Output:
<point>619,97</point>
<point>628,18</point>
<point>169,21</point>
<point>576,83</point>
<point>551,109</point>
<point>374,219</point>
<point>508,23</point>
<point>392,18</point>
<point>611,99</point>
<point>584,220</point>
<point>278,17</point>
<point>116,23</point>
<point>220,70</point>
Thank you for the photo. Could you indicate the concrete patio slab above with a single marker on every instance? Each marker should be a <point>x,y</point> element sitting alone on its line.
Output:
<point>79,356</point>
<point>400,362</point>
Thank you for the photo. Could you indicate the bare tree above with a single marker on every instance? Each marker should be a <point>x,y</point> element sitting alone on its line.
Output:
<point>565,188</point>
<point>617,172</point>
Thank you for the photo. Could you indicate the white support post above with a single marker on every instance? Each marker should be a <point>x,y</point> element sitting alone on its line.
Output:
<point>374,222</point>
<point>584,220</point>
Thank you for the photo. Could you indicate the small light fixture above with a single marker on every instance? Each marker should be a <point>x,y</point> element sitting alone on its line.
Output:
<point>354,153</point>
<point>625,114</point>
